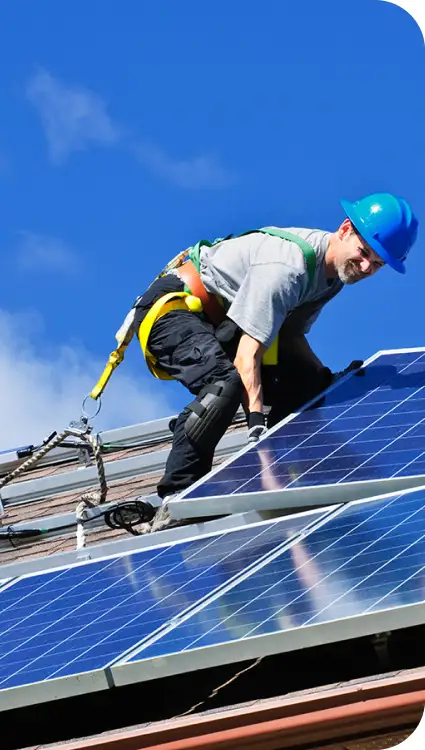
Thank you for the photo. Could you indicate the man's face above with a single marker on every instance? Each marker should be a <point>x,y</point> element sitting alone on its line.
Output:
<point>354,259</point>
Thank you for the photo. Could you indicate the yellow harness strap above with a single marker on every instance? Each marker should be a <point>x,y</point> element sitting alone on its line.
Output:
<point>166,304</point>
<point>270,356</point>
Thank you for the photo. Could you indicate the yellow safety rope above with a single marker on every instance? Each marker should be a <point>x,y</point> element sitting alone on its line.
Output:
<point>115,359</point>
<point>123,336</point>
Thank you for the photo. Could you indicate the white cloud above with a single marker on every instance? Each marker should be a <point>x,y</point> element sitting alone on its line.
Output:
<point>72,117</point>
<point>41,253</point>
<point>40,392</point>
<point>199,172</point>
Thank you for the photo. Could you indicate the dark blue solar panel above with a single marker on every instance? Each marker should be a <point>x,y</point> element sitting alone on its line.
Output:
<point>370,427</point>
<point>369,557</point>
<point>79,619</point>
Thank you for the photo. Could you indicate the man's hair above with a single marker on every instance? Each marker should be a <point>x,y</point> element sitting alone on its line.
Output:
<point>355,231</point>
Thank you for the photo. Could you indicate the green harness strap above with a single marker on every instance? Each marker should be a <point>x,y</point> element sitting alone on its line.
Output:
<point>307,249</point>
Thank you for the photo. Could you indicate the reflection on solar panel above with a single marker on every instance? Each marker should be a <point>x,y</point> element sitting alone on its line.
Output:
<point>75,620</point>
<point>362,571</point>
<point>368,428</point>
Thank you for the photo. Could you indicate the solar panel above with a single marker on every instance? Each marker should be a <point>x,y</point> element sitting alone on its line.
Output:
<point>79,619</point>
<point>368,430</point>
<point>359,572</point>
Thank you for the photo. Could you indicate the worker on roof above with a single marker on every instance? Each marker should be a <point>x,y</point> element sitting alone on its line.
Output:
<point>229,310</point>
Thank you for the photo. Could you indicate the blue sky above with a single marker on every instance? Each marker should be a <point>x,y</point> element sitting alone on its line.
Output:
<point>128,133</point>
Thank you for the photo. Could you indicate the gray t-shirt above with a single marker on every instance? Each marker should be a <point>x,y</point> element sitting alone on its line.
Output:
<point>263,281</point>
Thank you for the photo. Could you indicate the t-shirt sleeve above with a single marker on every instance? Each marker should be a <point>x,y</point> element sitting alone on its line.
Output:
<point>267,294</point>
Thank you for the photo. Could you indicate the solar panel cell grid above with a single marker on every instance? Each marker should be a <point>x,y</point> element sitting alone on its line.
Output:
<point>369,427</point>
<point>367,558</point>
<point>80,619</point>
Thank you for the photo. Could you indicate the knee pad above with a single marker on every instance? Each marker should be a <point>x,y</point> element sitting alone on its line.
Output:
<point>212,412</point>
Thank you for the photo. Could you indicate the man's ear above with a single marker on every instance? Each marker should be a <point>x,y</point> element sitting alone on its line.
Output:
<point>344,229</point>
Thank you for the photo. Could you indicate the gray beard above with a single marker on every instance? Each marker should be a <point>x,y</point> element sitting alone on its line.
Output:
<point>348,273</point>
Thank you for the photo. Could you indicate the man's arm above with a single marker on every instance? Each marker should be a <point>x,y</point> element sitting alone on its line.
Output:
<point>248,364</point>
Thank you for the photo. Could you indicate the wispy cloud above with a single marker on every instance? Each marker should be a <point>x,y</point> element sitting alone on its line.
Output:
<point>199,172</point>
<point>72,117</point>
<point>42,392</point>
<point>42,254</point>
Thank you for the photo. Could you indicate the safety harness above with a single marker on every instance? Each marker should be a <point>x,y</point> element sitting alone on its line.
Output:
<point>194,298</point>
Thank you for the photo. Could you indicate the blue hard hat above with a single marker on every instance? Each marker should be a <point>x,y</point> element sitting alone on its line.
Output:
<point>388,225</point>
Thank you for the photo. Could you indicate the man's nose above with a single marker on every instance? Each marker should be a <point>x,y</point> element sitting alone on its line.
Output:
<point>366,265</point>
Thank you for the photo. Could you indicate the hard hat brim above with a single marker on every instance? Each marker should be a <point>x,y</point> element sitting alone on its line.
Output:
<point>358,223</point>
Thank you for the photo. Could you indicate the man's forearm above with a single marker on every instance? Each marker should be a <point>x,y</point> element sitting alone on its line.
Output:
<point>250,374</point>
<point>248,364</point>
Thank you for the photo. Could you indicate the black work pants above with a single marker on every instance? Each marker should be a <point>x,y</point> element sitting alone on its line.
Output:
<point>292,383</point>
<point>186,347</point>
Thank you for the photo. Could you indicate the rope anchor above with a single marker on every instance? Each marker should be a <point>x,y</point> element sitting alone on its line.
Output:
<point>82,430</point>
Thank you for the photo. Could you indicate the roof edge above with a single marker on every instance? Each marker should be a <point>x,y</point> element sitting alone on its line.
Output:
<point>331,714</point>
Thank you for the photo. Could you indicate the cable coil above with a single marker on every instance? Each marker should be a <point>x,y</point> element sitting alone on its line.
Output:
<point>128,515</point>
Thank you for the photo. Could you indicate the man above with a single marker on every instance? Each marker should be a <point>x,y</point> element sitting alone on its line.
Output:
<point>270,290</point>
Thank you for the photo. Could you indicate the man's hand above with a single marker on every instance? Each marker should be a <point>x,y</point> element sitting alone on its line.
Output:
<point>354,366</point>
<point>256,426</point>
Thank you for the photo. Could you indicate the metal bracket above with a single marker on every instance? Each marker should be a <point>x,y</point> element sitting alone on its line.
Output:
<point>84,457</point>
<point>82,425</point>
<point>380,645</point>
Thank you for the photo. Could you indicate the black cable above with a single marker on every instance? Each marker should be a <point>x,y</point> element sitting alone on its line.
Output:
<point>9,533</point>
<point>128,515</point>
<point>19,533</point>
<point>121,516</point>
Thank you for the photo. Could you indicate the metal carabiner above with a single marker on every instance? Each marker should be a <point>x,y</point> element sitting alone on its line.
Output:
<point>83,423</point>
<point>98,405</point>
